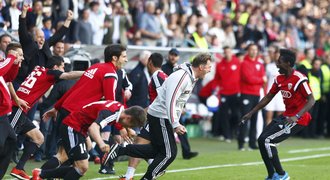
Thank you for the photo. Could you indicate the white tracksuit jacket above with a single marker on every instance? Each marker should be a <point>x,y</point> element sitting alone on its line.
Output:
<point>174,94</point>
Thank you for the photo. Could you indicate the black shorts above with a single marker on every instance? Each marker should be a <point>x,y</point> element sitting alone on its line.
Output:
<point>6,131</point>
<point>20,121</point>
<point>144,132</point>
<point>74,143</point>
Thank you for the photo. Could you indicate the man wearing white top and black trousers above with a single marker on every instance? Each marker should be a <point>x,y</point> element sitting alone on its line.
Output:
<point>163,116</point>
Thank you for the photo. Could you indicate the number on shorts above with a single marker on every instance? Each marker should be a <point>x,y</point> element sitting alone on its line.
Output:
<point>82,148</point>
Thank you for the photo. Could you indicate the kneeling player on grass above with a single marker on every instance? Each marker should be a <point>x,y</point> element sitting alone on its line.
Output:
<point>298,99</point>
<point>91,119</point>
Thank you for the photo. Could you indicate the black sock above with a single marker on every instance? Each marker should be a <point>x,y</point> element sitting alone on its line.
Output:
<point>55,173</point>
<point>29,148</point>
<point>51,164</point>
<point>5,156</point>
<point>73,174</point>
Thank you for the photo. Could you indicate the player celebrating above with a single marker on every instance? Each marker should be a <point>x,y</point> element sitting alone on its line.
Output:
<point>35,86</point>
<point>298,99</point>
<point>91,118</point>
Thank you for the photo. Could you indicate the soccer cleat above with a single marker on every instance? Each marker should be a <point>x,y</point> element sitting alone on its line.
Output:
<point>19,174</point>
<point>275,175</point>
<point>123,177</point>
<point>112,154</point>
<point>283,177</point>
<point>35,174</point>
<point>107,170</point>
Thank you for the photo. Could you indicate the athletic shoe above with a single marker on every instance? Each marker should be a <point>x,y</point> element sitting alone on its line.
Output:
<point>275,175</point>
<point>107,170</point>
<point>35,174</point>
<point>190,155</point>
<point>112,154</point>
<point>19,174</point>
<point>123,177</point>
<point>283,177</point>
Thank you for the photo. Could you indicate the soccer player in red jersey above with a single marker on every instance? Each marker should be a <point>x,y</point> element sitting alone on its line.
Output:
<point>34,87</point>
<point>298,99</point>
<point>8,70</point>
<point>89,120</point>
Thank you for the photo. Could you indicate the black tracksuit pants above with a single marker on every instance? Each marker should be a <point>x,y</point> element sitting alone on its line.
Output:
<point>162,147</point>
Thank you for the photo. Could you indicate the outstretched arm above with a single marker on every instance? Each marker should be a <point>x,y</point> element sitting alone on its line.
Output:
<point>72,75</point>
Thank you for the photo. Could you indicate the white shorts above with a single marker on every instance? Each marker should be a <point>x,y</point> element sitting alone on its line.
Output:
<point>276,104</point>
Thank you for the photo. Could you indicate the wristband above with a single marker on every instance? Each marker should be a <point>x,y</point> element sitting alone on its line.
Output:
<point>298,117</point>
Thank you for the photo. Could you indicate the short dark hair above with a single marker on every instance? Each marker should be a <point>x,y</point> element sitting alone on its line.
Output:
<point>138,115</point>
<point>288,56</point>
<point>4,35</point>
<point>54,60</point>
<point>156,59</point>
<point>113,50</point>
<point>13,46</point>
<point>201,58</point>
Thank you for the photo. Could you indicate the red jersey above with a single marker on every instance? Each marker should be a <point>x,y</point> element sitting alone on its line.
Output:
<point>227,76</point>
<point>157,79</point>
<point>5,99</point>
<point>36,85</point>
<point>101,112</point>
<point>294,90</point>
<point>99,80</point>
<point>252,73</point>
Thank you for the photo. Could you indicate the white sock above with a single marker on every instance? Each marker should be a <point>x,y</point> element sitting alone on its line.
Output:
<point>129,173</point>
<point>150,161</point>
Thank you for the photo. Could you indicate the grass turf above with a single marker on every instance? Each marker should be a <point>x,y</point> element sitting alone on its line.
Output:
<point>220,160</point>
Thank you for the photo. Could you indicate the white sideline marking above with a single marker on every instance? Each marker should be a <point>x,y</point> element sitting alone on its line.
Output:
<point>309,150</point>
<point>227,165</point>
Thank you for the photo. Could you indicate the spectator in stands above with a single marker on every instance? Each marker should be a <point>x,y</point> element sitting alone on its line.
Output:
<point>229,36</point>
<point>252,78</point>
<point>3,22</point>
<point>47,27</point>
<point>140,78</point>
<point>11,13</point>
<point>199,37</point>
<point>117,25</point>
<point>34,18</point>
<point>5,39</point>
<point>150,26</point>
<point>96,18</point>
<point>83,28</point>
<point>229,113</point>
<point>305,65</point>
<point>172,60</point>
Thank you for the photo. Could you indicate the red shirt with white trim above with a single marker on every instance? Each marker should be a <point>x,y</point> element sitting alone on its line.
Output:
<point>100,80</point>
<point>294,90</point>
<point>36,85</point>
<point>101,112</point>
<point>157,79</point>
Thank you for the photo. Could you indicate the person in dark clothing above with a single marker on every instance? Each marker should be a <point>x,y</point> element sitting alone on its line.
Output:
<point>139,78</point>
<point>173,58</point>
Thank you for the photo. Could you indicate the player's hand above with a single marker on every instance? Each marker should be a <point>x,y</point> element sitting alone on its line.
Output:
<point>291,120</point>
<point>105,148</point>
<point>127,94</point>
<point>69,15</point>
<point>245,118</point>
<point>124,135</point>
<point>22,104</point>
<point>47,115</point>
<point>180,129</point>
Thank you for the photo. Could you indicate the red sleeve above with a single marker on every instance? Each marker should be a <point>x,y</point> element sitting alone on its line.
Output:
<point>11,75</point>
<point>109,86</point>
<point>274,89</point>
<point>6,64</point>
<point>250,77</point>
<point>118,126</point>
<point>217,77</point>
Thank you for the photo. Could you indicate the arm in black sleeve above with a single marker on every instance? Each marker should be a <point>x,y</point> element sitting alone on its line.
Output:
<point>126,83</point>
<point>28,44</point>
<point>57,36</point>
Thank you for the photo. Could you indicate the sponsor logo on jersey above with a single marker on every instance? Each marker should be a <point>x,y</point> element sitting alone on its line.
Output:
<point>24,90</point>
<point>289,86</point>
<point>90,73</point>
<point>286,94</point>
